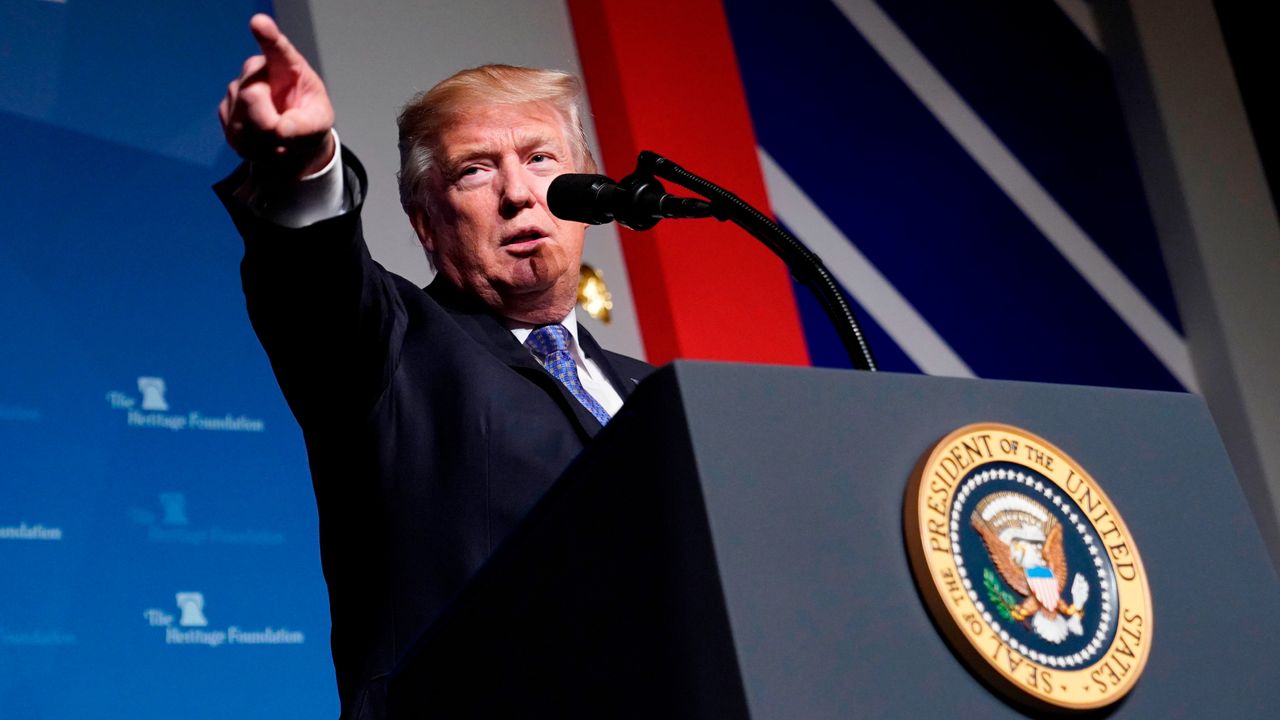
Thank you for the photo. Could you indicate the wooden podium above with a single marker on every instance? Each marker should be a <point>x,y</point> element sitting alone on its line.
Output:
<point>731,546</point>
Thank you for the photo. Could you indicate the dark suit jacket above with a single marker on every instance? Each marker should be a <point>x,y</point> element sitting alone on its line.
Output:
<point>430,430</point>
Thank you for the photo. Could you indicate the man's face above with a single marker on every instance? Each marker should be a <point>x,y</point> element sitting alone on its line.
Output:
<point>487,221</point>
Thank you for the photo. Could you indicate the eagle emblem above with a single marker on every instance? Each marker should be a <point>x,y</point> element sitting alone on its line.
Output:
<point>1024,541</point>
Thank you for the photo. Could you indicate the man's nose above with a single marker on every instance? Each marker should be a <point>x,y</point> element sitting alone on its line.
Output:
<point>517,190</point>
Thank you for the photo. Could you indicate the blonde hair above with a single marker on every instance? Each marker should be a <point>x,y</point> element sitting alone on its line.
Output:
<point>427,114</point>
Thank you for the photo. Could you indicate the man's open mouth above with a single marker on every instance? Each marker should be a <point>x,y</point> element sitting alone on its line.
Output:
<point>523,237</point>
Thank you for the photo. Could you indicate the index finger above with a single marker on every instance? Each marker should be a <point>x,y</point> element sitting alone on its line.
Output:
<point>275,46</point>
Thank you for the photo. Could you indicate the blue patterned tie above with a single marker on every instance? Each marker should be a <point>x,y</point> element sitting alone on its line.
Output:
<point>551,344</point>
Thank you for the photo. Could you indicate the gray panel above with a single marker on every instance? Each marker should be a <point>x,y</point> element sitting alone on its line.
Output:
<point>807,525</point>
<point>1218,228</point>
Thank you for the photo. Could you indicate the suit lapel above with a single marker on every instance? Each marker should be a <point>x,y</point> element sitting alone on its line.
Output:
<point>592,349</point>
<point>486,329</point>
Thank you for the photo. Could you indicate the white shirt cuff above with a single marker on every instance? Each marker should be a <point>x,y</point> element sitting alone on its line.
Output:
<point>313,198</point>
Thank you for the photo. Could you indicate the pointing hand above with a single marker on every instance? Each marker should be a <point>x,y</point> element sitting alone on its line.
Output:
<point>277,114</point>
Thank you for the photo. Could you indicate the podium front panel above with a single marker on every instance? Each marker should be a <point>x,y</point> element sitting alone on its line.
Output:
<point>803,474</point>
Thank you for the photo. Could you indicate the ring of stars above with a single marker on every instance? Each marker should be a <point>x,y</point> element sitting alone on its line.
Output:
<point>1102,566</point>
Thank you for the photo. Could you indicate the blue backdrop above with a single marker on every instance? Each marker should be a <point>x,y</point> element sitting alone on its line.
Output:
<point>157,527</point>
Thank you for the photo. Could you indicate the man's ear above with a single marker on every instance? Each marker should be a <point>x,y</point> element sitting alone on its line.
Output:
<point>422,226</point>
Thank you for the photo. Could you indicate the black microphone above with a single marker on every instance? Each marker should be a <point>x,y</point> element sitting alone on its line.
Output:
<point>637,202</point>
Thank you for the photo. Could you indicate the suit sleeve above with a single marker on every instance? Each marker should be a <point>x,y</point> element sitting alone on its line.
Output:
<point>329,317</point>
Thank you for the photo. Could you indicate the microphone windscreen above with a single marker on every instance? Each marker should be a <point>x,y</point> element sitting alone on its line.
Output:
<point>581,198</point>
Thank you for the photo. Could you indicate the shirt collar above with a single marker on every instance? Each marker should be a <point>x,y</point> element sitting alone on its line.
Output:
<point>570,323</point>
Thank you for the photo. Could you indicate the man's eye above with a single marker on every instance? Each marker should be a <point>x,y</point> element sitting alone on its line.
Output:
<point>539,158</point>
<point>469,171</point>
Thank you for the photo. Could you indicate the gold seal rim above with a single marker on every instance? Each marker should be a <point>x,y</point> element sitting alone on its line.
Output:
<point>951,619</point>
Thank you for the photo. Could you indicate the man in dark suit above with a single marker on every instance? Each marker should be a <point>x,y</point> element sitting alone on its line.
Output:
<point>434,418</point>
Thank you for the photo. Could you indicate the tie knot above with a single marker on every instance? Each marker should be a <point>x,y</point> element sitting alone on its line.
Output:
<point>548,339</point>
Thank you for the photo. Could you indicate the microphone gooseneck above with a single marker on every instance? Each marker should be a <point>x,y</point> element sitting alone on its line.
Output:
<point>639,201</point>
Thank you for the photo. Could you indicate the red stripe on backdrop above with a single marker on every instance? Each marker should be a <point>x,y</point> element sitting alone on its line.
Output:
<point>662,76</point>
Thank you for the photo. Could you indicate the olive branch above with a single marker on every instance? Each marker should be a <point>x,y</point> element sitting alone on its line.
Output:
<point>1004,600</point>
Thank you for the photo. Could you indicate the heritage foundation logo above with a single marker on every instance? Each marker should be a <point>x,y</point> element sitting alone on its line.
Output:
<point>192,627</point>
<point>18,413</point>
<point>39,637</point>
<point>153,410</point>
<point>173,526</point>
<point>192,605</point>
<point>175,508</point>
<point>23,531</point>
<point>152,389</point>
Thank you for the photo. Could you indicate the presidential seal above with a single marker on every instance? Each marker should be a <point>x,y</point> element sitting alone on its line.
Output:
<point>1028,568</point>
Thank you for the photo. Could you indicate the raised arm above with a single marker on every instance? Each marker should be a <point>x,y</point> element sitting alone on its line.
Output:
<point>325,312</point>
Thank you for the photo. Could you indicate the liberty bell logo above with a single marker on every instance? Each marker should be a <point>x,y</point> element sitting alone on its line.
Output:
<point>192,606</point>
<point>152,389</point>
<point>175,508</point>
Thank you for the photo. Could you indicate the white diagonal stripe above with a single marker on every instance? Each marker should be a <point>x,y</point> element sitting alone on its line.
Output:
<point>1081,15</point>
<point>882,301</point>
<point>985,148</point>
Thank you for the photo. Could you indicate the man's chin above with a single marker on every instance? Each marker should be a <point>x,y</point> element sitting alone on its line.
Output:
<point>538,304</point>
<point>530,276</point>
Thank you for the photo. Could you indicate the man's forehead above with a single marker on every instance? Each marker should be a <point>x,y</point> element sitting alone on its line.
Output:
<point>482,128</point>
